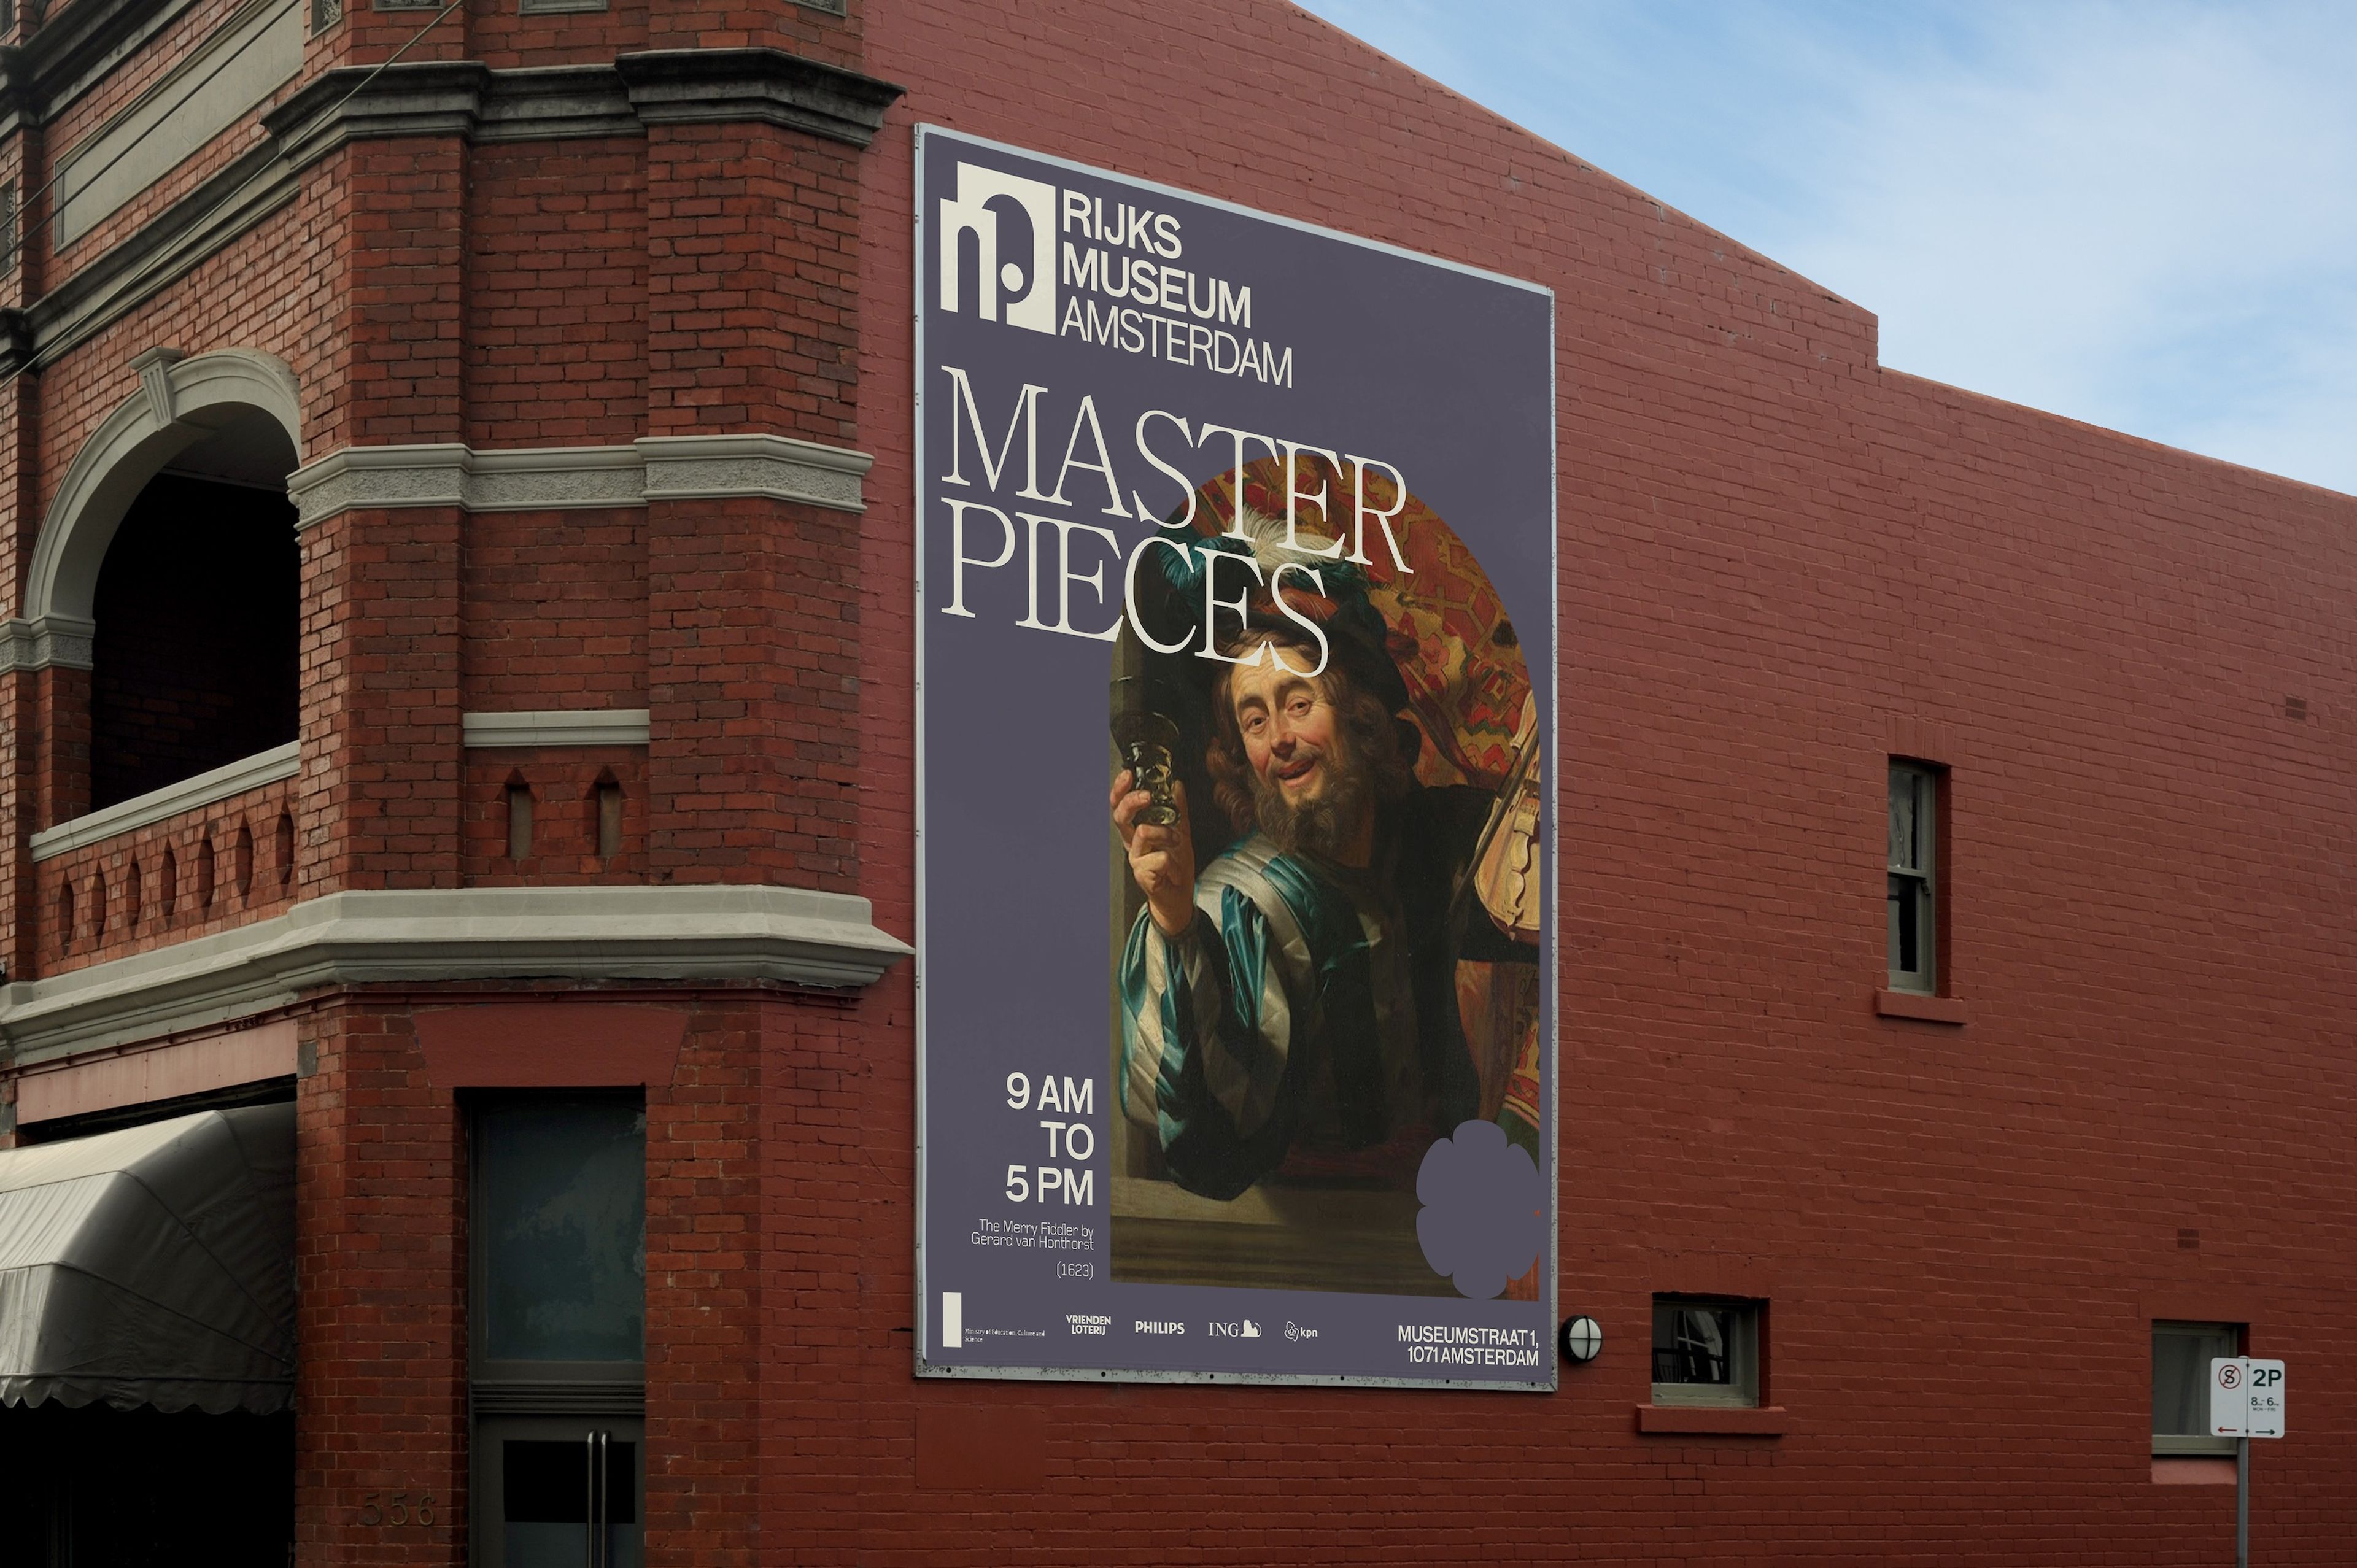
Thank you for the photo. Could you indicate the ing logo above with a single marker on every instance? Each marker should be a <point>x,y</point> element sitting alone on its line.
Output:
<point>1010,285</point>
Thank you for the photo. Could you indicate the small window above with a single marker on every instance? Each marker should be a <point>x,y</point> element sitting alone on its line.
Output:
<point>2181,1354</point>
<point>1705,1351</point>
<point>1914,873</point>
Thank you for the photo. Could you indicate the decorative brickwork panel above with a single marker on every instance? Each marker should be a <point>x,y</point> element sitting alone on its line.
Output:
<point>203,871</point>
<point>567,812</point>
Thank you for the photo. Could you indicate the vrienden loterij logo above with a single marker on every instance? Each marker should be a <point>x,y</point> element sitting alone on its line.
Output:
<point>1017,231</point>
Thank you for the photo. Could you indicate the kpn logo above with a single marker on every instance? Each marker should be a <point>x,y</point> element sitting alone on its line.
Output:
<point>1013,223</point>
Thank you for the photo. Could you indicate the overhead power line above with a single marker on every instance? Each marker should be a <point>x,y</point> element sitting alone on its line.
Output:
<point>16,241</point>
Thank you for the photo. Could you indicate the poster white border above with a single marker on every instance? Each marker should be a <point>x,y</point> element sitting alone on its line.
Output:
<point>922,1335</point>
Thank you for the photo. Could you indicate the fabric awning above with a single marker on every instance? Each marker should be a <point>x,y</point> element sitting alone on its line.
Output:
<point>154,1265</point>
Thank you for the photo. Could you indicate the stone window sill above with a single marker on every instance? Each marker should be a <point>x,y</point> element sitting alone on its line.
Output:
<point>1720,1421</point>
<point>1913,1004</point>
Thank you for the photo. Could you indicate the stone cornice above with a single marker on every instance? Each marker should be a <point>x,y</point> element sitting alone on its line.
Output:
<point>164,248</point>
<point>783,467</point>
<point>666,87</point>
<point>537,478</point>
<point>782,935</point>
<point>45,640</point>
<point>70,53</point>
<point>681,87</point>
<point>456,98</point>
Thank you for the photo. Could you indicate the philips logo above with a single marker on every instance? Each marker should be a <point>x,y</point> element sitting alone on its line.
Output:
<point>1015,273</point>
<point>1087,1323</point>
<point>1144,1326</point>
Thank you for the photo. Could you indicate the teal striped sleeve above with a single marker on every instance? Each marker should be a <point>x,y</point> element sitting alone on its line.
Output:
<point>1206,1036</point>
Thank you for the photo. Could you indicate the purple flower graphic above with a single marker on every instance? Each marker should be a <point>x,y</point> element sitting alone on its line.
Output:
<point>1484,1210</point>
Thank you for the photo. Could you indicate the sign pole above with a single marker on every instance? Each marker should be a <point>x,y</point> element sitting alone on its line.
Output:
<point>2242,1502</point>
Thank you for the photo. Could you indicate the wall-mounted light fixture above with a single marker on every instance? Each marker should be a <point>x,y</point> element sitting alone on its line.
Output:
<point>1582,1339</point>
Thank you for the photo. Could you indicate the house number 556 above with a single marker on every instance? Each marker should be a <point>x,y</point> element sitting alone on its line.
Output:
<point>396,1509</point>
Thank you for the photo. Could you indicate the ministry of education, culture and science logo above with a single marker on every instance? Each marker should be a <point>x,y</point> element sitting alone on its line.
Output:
<point>1071,264</point>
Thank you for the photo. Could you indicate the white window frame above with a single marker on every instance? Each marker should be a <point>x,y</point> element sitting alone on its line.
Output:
<point>1913,890</point>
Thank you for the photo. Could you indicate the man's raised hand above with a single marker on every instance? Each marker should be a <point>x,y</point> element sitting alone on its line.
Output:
<point>1162,859</point>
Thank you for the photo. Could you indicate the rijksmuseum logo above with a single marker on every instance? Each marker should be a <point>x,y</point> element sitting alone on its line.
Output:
<point>1015,246</point>
<point>1029,254</point>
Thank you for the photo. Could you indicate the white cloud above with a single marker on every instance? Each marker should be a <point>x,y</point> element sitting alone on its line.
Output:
<point>2145,216</point>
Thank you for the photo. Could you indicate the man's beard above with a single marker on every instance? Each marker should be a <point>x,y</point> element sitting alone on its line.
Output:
<point>1323,826</point>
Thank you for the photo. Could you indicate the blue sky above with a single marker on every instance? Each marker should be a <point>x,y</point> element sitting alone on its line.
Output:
<point>2140,214</point>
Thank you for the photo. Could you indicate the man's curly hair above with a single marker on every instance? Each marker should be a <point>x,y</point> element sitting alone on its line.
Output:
<point>1379,746</point>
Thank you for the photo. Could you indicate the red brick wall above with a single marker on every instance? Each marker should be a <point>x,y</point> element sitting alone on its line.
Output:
<point>381,1385</point>
<point>555,610</point>
<point>556,295</point>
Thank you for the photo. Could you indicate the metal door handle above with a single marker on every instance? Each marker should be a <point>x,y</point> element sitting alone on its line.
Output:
<point>599,1506</point>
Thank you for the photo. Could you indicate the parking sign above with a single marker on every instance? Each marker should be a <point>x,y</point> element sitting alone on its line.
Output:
<point>2247,1397</point>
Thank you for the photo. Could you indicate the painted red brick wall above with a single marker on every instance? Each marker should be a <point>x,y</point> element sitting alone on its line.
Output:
<point>1781,563</point>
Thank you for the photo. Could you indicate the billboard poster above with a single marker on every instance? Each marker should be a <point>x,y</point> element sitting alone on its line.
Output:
<point>1236,654</point>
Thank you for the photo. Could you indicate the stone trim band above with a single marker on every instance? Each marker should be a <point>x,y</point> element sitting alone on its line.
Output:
<point>558,727</point>
<point>535,479</point>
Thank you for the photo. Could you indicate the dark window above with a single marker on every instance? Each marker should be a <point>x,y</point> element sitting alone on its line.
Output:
<point>2181,1354</point>
<point>193,662</point>
<point>1705,1351</point>
<point>561,1202</point>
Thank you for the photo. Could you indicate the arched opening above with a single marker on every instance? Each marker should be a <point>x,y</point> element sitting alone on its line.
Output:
<point>163,591</point>
<point>196,612</point>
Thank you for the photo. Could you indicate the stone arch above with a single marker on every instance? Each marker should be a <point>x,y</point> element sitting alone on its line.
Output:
<point>182,402</point>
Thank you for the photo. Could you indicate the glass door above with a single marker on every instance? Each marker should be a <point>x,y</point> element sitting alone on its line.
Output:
<point>560,1491</point>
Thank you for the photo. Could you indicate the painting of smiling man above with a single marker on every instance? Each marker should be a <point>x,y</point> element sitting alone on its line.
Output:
<point>1327,916</point>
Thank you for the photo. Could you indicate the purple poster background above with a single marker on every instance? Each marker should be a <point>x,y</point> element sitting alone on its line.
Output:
<point>1442,372</point>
